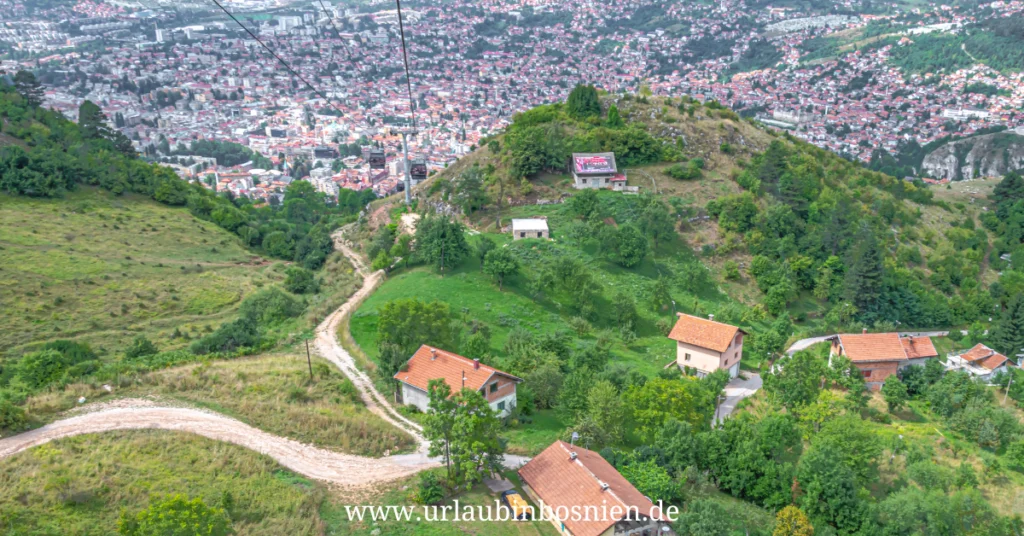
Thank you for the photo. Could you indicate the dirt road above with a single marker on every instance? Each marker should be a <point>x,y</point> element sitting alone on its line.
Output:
<point>327,345</point>
<point>342,469</point>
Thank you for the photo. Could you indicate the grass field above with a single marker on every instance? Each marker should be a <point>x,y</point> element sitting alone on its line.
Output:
<point>79,485</point>
<point>474,295</point>
<point>272,393</point>
<point>103,269</point>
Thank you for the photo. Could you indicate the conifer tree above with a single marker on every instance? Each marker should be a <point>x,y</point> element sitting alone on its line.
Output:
<point>1008,335</point>
<point>864,277</point>
<point>28,86</point>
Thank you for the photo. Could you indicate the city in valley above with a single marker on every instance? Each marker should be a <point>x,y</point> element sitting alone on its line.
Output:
<point>512,267</point>
<point>169,74</point>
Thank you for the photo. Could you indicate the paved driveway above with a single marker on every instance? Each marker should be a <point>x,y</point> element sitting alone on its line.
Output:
<point>737,390</point>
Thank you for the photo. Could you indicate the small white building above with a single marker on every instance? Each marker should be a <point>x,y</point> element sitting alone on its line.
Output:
<point>530,228</point>
<point>595,170</point>
<point>429,363</point>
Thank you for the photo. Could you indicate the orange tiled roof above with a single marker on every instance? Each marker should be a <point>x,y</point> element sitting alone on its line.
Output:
<point>984,356</point>
<point>429,363</point>
<point>702,332</point>
<point>873,347</point>
<point>560,481</point>
<point>918,347</point>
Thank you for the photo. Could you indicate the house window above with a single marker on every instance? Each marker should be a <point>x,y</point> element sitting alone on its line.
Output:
<point>686,358</point>
<point>494,387</point>
<point>583,181</point>
<point>522,234</point>
<point>866,373</point>
<point>501,406</point>
<point>540,234</point>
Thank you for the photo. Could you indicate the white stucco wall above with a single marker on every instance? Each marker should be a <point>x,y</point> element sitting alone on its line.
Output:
<point>509,400</point>
<point>414,396</point>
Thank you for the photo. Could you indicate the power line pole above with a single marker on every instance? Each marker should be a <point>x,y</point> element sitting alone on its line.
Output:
<point>405,166</point>
<point>309,362</point>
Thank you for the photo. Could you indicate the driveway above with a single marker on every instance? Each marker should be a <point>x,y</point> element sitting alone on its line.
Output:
<point>737,390</point>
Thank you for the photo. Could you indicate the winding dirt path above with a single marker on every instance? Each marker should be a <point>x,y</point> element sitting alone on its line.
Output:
<point>329,348</point>
<point>343,469</point>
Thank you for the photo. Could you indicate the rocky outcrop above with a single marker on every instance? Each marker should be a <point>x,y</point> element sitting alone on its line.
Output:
<point>990,155</point>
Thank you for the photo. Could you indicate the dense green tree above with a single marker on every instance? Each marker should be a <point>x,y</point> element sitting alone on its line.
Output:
<point>864,278</point>
<point>703,517</point>
<point>829,488</point>
<point>583,102</point>
<point>441,242</point>
<point>463,430</point>
<point>28,86</point>
<point>1008,334</point>
<point>299,280</point>
<point>584,204</point>
<point>895,393</point>
<point>614,120</point>
<point>606,410</point>
<point>501,263</point>
<point>409,323</point>
<point>659,400</point>
<point>796,380</point>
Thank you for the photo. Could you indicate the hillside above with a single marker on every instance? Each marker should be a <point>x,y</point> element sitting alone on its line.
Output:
<point>102,270</point>
<point>746,198</point>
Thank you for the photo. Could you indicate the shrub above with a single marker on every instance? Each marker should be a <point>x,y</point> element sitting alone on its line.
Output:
<point>176,516</point>
<point>300,281</point>
<point>140,347</point>
<point>242,333</point>
<point>12,417</point>
<point>430,489</point>
<point>270,306</point>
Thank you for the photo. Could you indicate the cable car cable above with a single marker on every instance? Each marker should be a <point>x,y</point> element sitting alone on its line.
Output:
<point>272,53</point>
<point>405,57</point>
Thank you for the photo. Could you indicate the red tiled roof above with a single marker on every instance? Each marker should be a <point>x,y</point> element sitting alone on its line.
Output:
<point>918,347</point>
<point>984,356</point>
<point>560,481</point>
<point>429,363</point>
<point>873,347</point>
<point>702,332</point>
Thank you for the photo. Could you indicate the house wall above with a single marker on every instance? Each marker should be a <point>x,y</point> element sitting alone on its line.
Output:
<point>593,181</point>
<point>414,396</point>
<point>919,362</point>
<point>876,373</point>
<point>707,360</point>
<point>518,235</point>
<point>548,513</point>
<point>509,402</point>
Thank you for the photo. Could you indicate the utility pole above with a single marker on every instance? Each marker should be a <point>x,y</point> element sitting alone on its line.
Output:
<point>1007,393</point>
<point>408,176</point>
<point>309,362</point>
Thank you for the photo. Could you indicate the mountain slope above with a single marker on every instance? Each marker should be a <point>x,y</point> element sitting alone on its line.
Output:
<point>103,269</point>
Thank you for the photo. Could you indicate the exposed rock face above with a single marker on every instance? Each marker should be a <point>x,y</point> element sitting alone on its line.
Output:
<point>990,155</point>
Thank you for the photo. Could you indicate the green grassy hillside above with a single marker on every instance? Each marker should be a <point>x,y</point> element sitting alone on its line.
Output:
<point>103,269</point>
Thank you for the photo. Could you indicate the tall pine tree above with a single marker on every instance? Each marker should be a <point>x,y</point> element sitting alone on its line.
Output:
<point>1008,335</point>
<point>864,277</point>
<point>28,86</point>
<point>583,102</point>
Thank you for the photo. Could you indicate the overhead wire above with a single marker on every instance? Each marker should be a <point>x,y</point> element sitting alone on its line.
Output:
<point>330,18</point>
<point>281,60</point>
<point>405,58</point>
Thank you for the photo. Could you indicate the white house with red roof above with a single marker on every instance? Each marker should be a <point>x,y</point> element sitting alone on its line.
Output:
<point>429,363</point>
<point>980,361</point>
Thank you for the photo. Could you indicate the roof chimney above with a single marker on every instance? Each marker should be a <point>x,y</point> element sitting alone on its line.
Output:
<point>911,337</point>
<point>572,456</point>
<point>476,364</point>
<point>864,331</point>
<point>711,318</point>
<point>433,354</point>
<point>604,486</point>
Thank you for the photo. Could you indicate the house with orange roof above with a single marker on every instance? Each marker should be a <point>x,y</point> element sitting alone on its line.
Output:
<point>880,355</point>
<point>429,363</point>
<point>583,495</point>
<point>981,362</point>
<point>704,346</point>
